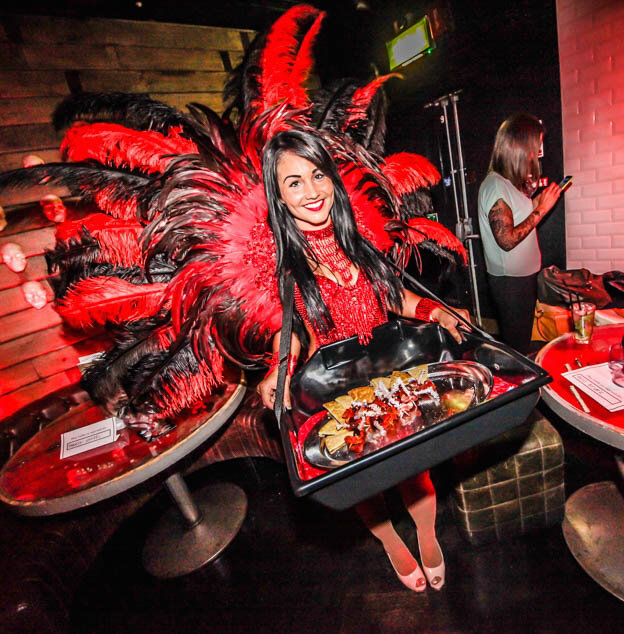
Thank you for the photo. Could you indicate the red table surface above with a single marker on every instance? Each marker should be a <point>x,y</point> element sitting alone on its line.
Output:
<point>36,471</point>
<point>565,350</point>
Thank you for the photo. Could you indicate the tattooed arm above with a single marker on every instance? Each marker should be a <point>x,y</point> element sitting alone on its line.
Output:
<point>507,235</point>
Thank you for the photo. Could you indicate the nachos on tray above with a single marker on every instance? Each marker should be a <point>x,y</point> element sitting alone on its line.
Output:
<point>378,410</point>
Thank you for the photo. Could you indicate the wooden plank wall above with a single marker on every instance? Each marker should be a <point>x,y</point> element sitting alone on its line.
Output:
<point>43,59</point>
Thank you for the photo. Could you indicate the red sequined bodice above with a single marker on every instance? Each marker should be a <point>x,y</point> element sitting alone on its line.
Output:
<point>354,308</point>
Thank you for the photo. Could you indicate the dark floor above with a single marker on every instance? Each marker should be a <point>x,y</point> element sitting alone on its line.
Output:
<point>298,567</point>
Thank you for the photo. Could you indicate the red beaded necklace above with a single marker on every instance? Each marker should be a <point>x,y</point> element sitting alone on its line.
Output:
<point>327,251</point>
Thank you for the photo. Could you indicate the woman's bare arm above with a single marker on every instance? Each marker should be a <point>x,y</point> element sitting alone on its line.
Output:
<point>507,235</point>
<point>444,318</point>
<point>266,388</point>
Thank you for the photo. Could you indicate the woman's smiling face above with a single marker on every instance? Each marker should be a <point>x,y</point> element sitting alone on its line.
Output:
<point>306,190</point>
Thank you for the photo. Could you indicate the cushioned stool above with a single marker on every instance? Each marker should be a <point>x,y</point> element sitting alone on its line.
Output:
<point>512,484</point>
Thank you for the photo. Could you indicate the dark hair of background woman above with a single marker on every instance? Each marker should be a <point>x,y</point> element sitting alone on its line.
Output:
<point>516,149</point>
<point>292,248</point>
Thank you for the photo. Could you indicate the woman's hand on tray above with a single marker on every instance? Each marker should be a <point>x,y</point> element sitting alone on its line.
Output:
<point>266,389</point>
<point>450,322</point>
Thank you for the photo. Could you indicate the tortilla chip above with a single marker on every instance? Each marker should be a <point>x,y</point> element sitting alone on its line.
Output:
<point>386,380</point>
<point>335,442</point>
<point>404,376</point>
<point>420,373</point>
<point>336,409</point>
<point>365,394</point>
<point>344,401</point>
<point>330,428</point>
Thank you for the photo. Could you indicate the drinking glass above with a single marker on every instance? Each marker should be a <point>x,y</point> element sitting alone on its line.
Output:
<point>616,364</point>
<point>583,318</point>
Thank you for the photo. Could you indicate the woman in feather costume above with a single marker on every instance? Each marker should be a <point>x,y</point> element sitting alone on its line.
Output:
<point>344,287</point>
<point>180,262</point>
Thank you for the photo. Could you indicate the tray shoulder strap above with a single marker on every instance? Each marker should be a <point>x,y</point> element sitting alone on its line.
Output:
<point>284,346</point>
<point>427,293</point>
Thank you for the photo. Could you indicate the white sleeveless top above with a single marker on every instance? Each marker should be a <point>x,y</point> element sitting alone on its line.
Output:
<point>525,258</point>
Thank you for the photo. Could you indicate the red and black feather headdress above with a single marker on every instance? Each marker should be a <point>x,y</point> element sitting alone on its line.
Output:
<point>181,263</point>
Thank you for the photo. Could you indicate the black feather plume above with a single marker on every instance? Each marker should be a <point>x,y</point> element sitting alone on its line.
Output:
<point>137,111</point>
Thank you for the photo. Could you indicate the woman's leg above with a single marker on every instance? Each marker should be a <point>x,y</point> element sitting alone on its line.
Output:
<point>374,514</point>
<point>419,497</point>
<point>514,300</point>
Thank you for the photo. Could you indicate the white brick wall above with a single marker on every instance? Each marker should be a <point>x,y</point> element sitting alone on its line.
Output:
<point>591,55</point>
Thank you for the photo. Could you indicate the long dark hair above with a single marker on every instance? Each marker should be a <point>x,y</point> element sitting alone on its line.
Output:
<point>292,248</point>
<point>516,138</point>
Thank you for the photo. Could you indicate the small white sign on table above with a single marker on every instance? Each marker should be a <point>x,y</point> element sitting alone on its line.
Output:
<point>90,436</point>
<point>595,381</point>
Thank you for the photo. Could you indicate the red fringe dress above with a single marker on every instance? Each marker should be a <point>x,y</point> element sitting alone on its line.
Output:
<point>353,306</point>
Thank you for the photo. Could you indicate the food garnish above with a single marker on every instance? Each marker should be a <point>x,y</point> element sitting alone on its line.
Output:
<point>378,410</point>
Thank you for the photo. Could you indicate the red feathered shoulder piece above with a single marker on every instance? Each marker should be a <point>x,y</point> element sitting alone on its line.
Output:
<point>113,144</point>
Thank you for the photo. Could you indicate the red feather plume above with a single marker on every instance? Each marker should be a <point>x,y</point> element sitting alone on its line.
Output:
<point>409,172</point>
<point>113,144</point>
<point>362,97</point>
<point>108,200</point>
<point>183,392</point>
<point>286,61</point>
<point>421,229</point>
<point>95,301</point>
<point>244,267</point>
<point>118,239</point>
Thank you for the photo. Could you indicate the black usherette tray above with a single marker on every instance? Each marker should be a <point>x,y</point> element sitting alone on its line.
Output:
<point>336,368</point>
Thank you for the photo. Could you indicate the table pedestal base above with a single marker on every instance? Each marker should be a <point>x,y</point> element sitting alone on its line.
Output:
<point>593,528</point>
<point>196,531</point>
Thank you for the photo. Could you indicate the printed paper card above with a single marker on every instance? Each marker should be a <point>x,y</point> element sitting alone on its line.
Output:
<point>90,436</point>
<point>595,381</point>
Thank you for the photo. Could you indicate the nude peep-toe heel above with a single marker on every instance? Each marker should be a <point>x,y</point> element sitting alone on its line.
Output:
<point>436,575</point>
<point>414,581</point>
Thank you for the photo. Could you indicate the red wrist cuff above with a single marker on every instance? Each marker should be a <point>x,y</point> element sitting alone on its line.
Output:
<point>274,362</point>
<point>424,308</point>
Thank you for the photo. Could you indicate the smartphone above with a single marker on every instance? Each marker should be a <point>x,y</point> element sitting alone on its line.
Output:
<point>565,183</point>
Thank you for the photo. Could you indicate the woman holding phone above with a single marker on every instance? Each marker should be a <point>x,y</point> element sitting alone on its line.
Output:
<point>508,219</point>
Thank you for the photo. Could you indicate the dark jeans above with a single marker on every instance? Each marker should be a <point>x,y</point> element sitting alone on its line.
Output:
<point>514,300</point>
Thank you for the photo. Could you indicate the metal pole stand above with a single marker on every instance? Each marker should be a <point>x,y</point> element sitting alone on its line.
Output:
<point>194,532</point>
<point>463,228</point>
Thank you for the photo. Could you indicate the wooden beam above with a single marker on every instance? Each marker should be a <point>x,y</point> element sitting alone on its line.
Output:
<point>17,376</point>
<point>36,269</point>
<point>148,81</point>
<point>32,83</point>
<point>39,343</point>
<point>35,56</point>
<point>67,358</point>
<point>53,30</point>
<point>25,138</point>
<point>33,242</point>
<point>27,322</point>
<point>144,57</point>
<point>12,299</point>
<point>27,110</point>
<point>14,401</point>
<point>211,99</point>
<point>12,161</point>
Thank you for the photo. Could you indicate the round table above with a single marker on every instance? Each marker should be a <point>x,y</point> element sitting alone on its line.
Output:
<point>593,526</point>
<point>599,423</point>
<point>36,481</point>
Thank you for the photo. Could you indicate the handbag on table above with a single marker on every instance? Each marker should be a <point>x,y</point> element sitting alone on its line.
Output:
<point>558,287</point>
<point>550,321</point>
